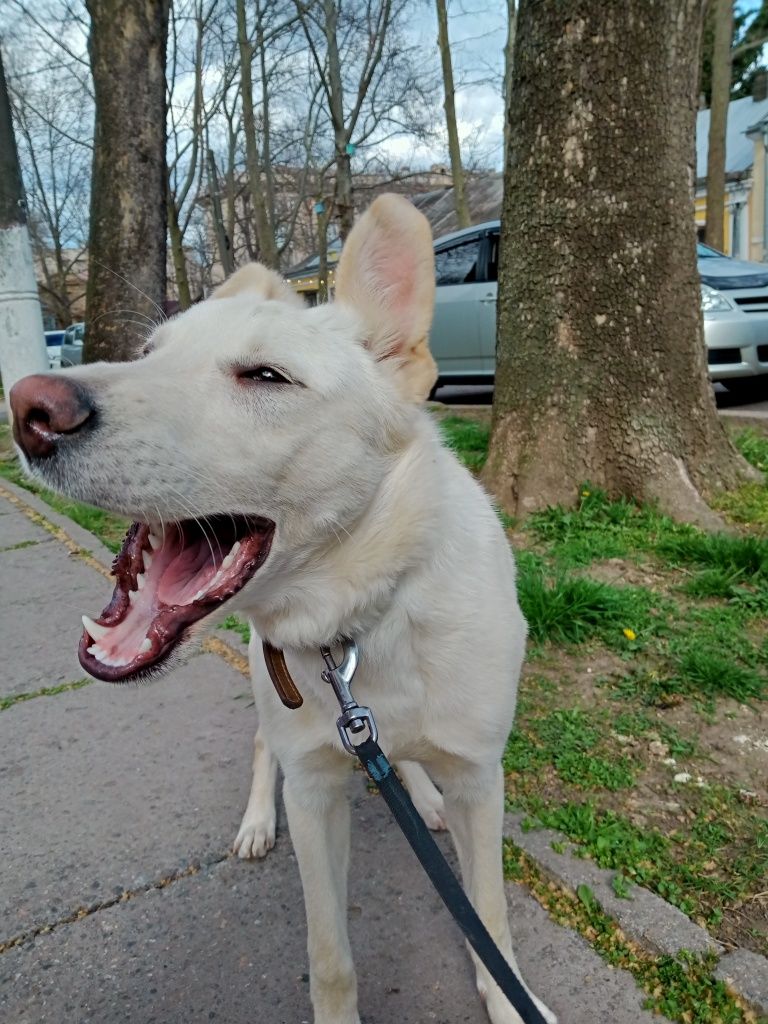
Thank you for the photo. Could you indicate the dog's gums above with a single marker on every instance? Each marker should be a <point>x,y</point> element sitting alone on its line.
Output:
<point>167,580</point>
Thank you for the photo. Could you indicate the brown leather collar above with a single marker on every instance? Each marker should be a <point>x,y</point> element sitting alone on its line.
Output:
<point>281,678</point>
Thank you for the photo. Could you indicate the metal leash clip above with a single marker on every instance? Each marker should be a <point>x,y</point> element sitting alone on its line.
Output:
<point>354,719</point>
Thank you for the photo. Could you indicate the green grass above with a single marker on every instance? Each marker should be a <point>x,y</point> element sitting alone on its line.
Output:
<point>746,556</point>
<point>468,438</point>
<point>565,609</point>
<point>45,691</point>
<point>754,447</point>
<point>236,625</point>
<point>598,528</point>
<point>748,504</point>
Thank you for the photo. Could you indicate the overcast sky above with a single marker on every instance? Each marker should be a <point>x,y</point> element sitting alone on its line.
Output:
<point>478,32</point>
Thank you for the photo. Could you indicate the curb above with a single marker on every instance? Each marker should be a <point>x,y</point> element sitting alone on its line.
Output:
<point>645,918</point>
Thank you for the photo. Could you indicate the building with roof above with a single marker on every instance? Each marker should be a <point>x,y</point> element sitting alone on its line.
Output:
<point>745,225</point>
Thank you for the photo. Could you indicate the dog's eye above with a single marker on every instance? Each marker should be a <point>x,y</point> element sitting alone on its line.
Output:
<point>264,374</point>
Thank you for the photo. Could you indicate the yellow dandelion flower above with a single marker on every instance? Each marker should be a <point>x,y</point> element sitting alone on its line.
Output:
<point>630,634</point>
<point>585,494</point>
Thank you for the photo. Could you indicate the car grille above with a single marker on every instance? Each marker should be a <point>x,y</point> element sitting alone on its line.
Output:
<point>752,303</point>
<point>719,356</point>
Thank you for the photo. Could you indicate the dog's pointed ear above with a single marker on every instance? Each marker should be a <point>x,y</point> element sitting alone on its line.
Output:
<point>258,280</point>
<point>387,274</point>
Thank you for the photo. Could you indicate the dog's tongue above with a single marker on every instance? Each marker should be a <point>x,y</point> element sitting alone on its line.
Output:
<point>164,585</point>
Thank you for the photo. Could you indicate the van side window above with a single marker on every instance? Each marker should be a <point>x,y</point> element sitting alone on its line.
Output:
<point>457,265</point>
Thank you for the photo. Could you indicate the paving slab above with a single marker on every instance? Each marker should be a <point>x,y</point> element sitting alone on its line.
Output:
<point>228,944</point>
<point>746,973</point>
<point>43,593</point>
<point>108,788</point>
<point>16,528</point>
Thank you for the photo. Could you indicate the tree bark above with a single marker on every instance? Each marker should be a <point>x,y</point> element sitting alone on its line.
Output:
<point>449,106</point>
<point>127,242</point>
<point>601,366</point>
<point>264,235</point>
<point>718,120</point>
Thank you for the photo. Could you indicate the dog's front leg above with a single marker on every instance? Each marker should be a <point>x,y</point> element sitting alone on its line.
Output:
<point>256,836</point>
<point>319,823</point>
<point>475,817</point>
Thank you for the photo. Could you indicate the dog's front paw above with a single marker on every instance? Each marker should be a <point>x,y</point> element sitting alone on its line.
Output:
<point>256,837</point>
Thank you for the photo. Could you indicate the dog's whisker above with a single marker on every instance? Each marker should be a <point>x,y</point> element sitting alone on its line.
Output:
<point>160,310</point>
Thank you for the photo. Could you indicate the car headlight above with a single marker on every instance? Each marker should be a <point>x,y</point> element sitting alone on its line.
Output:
<point>712,301</point>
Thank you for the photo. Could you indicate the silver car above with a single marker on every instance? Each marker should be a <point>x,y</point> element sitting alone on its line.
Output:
<point>734,298</point>
<point>72,345</point>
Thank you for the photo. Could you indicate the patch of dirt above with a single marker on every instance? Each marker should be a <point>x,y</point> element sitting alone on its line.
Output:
<point>732,749</point>
<point>623,571</point>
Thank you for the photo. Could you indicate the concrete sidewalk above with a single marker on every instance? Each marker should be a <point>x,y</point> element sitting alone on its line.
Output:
<point>120,901</point>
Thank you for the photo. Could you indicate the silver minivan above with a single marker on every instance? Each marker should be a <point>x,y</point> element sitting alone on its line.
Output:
<point>463,340</point>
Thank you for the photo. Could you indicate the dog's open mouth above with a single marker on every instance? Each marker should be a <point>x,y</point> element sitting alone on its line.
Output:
<point>167,581</point>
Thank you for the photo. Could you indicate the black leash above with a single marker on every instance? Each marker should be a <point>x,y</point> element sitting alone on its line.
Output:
<point>355,720</point>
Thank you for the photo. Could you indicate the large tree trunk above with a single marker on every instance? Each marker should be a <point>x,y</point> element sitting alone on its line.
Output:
<point>128,189</point>
<point>718,121</point>
<point>449,106</point>
<point>601,370</point>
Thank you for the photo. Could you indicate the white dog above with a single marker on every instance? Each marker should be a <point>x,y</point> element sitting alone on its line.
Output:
<point>278,461</point>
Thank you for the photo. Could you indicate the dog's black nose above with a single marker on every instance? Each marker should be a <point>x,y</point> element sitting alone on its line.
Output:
<point>45,407</point>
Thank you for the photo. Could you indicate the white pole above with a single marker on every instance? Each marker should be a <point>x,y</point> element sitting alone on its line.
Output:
<point>22,341</point>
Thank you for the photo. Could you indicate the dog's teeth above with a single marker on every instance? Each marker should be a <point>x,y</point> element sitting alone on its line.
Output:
<point>133,596</point>
<point>94,629</point>
<point>146,646</point>
<point>154,542</point>
<point>198,595</point>
<point>231,556</point>
<point>140,581</point>
<point>98,654</point>
<point>147,559</point>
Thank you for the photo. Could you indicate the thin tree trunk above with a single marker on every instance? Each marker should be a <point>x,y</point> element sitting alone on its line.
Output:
<point>509,50</point>
<point>343,196</point>
<point>449,106</point>
<point>601,365</point>
<point>127,243</point>
<point>223,242</point>
<point>177,252</point>
<point>718,121</point>
<point>266,126</point>
<point>264,235</point>
<point>322,256</point>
